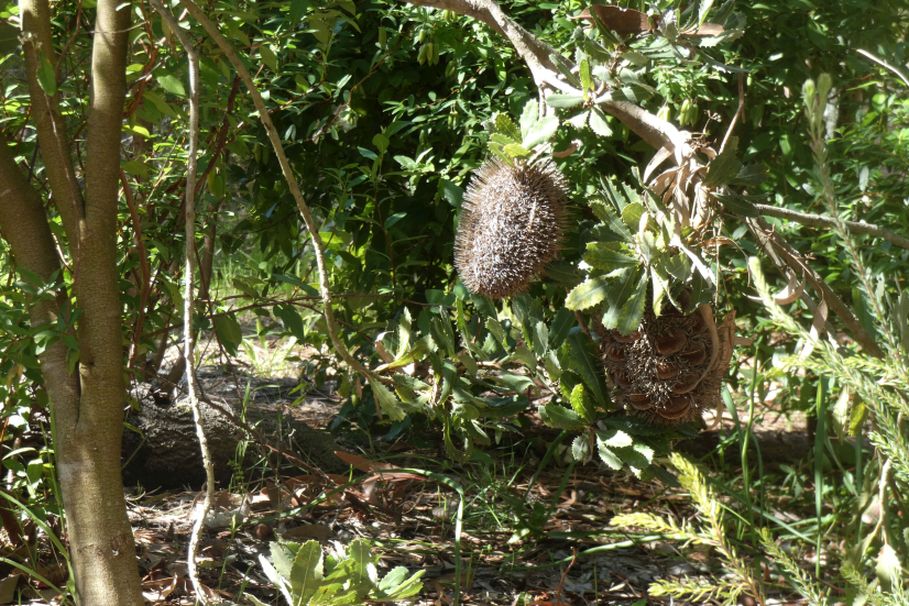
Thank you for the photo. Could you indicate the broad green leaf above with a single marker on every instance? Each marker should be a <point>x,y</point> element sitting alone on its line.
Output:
<point>660,284</point>
<point>388,403</point>
<point>307,571</point>
<point>268,57</point>
<point>541,132</point>
<point>397,585</point>
<point>562,101</point>
<point>588,293</point>
<point>556,415</point>
<point>172,84</point>
<point>586,80</point>
<point>228,331</point>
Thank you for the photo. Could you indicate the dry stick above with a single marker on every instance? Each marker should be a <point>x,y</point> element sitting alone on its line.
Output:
<point>813,220</point>
<point>201,512</point>
<point>289,177</point>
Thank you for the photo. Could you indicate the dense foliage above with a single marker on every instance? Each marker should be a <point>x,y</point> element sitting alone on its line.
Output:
<point>386,109</point>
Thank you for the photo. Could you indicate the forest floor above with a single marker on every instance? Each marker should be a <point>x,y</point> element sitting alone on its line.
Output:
<point>535,531</point>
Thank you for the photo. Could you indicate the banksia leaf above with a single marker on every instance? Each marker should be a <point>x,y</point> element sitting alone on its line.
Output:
<point>582,404</point>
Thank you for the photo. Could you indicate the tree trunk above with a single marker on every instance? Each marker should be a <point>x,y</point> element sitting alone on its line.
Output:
<point>87,407</point>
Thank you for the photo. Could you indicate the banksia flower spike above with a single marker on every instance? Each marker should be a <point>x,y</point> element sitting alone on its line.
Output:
<point>511,225</point>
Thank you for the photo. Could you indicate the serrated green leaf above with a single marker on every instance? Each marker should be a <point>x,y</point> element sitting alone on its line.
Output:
<point>598,123</point>
<point>631,216</point>
<point>580,449</point>
<point>626,302</point>
<point>608,456</point>
<point>581,404</point>
<point>516,150</point>
<point>616,438</point>
<point>387,401</point>
<point>556,415</point>
<point>563,101</point>
<point>584,72</point>
<point>504,126</point>
<point>588,293</point>
<point>888,567</point>
<point>606,256</point>
<point>583,361</point>
<point>660,284</point>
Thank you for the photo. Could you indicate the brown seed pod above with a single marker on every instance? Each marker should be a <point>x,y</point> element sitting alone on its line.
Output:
<point>511,225</point>
<point>671,368</point>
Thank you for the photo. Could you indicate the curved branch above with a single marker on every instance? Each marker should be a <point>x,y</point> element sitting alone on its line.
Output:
<point>813,220</point>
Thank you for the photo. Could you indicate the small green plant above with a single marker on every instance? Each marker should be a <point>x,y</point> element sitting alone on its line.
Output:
<point>306,576</point>
<point>743,578</point>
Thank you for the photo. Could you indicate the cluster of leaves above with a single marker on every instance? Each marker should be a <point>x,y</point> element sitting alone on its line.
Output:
<point>636,250</point>
<point>306,577</point>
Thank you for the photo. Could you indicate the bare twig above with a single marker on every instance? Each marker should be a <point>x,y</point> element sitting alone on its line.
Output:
<point>899,73</point>
<point>813,220</point>
<point>189,271</point>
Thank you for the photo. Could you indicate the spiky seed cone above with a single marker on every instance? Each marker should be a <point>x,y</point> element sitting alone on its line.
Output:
<point>511,225</point>
<point>670,369</point>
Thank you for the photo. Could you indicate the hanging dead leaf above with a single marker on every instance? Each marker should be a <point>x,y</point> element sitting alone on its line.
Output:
<point>622,20</point>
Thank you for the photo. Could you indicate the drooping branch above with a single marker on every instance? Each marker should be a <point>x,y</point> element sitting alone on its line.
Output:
<point>813,220</point>
<point>787,258</point>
